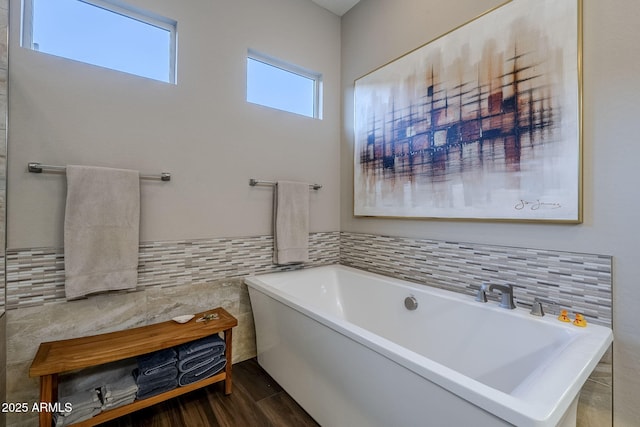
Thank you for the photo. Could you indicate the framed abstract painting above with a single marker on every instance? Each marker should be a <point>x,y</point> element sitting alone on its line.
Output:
<point>481,123</point>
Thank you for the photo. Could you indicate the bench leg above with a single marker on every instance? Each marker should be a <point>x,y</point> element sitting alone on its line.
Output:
<point>227,369</point>
<point>48,394</point>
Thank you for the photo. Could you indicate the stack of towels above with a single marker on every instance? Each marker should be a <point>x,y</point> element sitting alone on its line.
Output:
<point>156,373</point>
<point>93,390</point>
<point>119,393</point>
<point>83,405</point>
<point>153,373</point>
<point>200,359</point>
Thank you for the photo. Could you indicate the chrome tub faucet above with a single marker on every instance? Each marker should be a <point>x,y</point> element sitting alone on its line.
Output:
<point>536,308</point>
<point>506,292</point>
<point>482,293</point>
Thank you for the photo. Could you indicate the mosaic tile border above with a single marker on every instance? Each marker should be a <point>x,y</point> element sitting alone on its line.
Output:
<point>36,276</point>
<point>577,282</point>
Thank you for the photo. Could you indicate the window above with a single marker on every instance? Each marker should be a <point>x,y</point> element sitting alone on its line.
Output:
<point>106,33</point>
<point>277,84</point>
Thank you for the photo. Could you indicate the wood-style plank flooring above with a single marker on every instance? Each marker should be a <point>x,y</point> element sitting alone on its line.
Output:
<point>257,400</point>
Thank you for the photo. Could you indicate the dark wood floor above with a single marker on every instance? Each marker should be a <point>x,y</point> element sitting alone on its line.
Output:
<point>257,400</point>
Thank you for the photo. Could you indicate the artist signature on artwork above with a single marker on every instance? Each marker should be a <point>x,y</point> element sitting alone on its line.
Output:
<point>534,206</point>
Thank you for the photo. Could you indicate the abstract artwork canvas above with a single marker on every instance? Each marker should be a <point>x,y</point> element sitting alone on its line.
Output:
<point>483,122</point>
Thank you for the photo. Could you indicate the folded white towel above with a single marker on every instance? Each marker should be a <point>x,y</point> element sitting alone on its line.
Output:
<point>84,405</point>
<point>83,399</point>
<point>101,230</point>
<point>124,387</point>
<point>119,402</point>
<point>95,377</point>
<point>291,222</point>
<point>75,416</point>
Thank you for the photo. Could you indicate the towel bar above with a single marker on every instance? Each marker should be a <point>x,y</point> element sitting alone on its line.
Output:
<point>254,182</point>
<point>35,167</point>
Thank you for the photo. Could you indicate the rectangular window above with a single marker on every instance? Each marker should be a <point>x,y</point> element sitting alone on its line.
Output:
<point>107,33</point>
<point>277,84</point>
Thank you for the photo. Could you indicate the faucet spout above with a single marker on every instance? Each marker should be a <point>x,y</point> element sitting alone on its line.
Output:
<point>506,292</point>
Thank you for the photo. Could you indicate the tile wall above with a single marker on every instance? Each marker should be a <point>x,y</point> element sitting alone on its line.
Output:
<point>189,276</point>
<point>35,277</point>
<point>578,282</point>
<point>175,278</point>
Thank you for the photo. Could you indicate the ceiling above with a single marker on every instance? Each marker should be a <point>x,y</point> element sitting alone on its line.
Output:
<point>339,7</point>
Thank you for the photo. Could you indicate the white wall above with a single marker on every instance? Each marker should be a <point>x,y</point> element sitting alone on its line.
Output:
<point>378,31</point>
<point>201,130</point>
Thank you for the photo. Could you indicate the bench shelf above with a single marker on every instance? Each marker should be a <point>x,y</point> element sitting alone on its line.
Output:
<point>57,357</point>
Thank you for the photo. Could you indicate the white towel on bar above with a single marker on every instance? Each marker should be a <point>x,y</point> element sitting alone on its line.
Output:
<point>101,230</point>
<point>290,223</point>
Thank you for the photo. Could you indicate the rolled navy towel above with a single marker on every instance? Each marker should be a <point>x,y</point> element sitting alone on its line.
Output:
<point>151,389</point>
<point>202,372</point>
<point>167,373</point>
<point>151,363</point>
<point>198,359</point>
<point>212,342</point>
<point>199,363</point>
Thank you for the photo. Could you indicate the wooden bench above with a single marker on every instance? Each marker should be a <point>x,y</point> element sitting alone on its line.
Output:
<point>57,357</point>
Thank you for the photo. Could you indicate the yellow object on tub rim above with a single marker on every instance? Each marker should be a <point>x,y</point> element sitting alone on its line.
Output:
<point>564,316</point>
<point>580,320</point>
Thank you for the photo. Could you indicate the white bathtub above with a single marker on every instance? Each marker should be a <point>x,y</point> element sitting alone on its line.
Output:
<point>342,343</point>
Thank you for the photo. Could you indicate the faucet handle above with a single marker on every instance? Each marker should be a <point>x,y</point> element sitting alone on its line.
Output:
<point>482,293</point>
<point>536,308</point>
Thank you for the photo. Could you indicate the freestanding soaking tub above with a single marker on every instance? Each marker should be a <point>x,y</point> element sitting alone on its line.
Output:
<point>342,343</point>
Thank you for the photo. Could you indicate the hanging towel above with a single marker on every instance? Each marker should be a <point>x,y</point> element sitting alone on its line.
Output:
<point>290,222</point>
<point>101,230</point>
